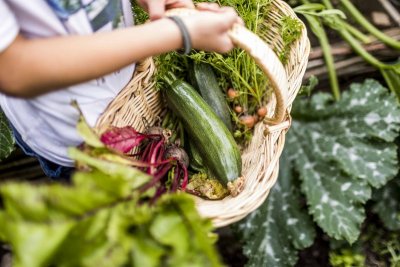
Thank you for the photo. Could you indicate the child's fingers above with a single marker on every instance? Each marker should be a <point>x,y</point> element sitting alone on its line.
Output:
<point>156,9</point>
<point>228,18</point>
<point>226,44</point>
<point>179,3</point>
<point>214,7</point>
<point>240,21</point>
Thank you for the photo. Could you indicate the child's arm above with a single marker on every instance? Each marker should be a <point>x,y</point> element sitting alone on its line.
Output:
<point>32,67</point>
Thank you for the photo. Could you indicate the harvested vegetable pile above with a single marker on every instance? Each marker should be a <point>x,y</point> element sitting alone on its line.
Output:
<point>218,99</point>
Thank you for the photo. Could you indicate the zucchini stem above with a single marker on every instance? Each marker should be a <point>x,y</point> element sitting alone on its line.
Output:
<point>365,39</point>
<point>390,72</point>
<point>363,22</point>
<point>318,29</point>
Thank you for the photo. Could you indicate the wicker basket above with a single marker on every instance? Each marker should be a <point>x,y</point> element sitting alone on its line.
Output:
<point>139,105</point>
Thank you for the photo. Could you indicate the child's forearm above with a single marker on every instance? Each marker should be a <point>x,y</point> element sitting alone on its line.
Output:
<point>32,67</point>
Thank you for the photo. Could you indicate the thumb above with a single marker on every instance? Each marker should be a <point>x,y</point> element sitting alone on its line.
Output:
<point>156,9</point>
<point>229,17</point>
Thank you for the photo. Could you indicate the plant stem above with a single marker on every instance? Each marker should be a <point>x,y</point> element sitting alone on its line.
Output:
<point>357,33</point>
<point>390,72</point>
<point>181,134</point>
<point>318,30</point>
<point>169,78</point>
<point>356,14</point>
<point>166,120</point>
<point>359,49</point>
<point>392,78</point>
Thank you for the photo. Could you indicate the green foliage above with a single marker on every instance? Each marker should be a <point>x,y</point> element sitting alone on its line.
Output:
<point>387,248</point>
<point>346,258</point>
<point>382,246</point>
<point>238,69</point>
<point>392,250</point>
<point>324,13</point>
<point>315,25</point>
<point>309,87</point>
<point>140,15</point>
<point>170,63</point>
<point>7,142</point>
<point>253,12</point>
<point>273,233</point>
<point>387,204</point>
<point>89,136</point>
<point>342,149</point>
<point>376,246</point>
<point>291,30</point>
<point>102,219</point>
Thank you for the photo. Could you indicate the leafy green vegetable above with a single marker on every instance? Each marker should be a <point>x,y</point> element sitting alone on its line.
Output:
<point>7,141</point>
<point>102,219</point>
<point>387,204</point>
<point>170,63</point>
<point>341,149</point>
<point>273,234</point>
<point>291,29</point>
<point>121,171</point>
<point>84,130</point>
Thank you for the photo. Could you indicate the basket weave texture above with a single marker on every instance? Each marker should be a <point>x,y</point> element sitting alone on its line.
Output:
<point>139,105</point>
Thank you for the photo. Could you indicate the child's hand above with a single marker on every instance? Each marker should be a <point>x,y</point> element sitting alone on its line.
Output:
<point>209,28</point>
<point>156,8</point>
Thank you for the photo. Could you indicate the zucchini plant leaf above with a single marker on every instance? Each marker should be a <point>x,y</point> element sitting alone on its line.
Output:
<point>7,142</point>
<point>387,204</point>
<point>341,149</point>
<point>273,233</point>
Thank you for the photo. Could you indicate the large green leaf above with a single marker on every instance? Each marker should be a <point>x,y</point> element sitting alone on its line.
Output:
<point>33,243</point>
<point>101,239</point>
<point>115,170</point>
<point>99,221</point>
<point>7,141</point>
<point>280,227</point>
<point>387,204</point>
<point>37,219</point>
<point>341,149</point>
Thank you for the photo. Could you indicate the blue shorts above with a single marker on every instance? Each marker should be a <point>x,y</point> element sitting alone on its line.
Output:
<point>51,169</point>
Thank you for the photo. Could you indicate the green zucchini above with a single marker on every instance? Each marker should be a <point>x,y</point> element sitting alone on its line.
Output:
<point>208,133</point>
<point>204,80</point>
<point>196,161</point>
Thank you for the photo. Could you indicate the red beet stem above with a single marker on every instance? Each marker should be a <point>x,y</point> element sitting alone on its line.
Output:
<point>185,177</point>
<point>175,182</point>
<point>145,153</point>
<point>157,177</point>
<point>147,157</point>
<point>154,155</point>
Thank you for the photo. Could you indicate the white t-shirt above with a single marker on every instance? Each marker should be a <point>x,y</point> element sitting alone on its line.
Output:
<point>48,123</point>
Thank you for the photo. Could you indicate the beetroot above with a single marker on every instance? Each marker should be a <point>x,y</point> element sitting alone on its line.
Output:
<point>156,156</point>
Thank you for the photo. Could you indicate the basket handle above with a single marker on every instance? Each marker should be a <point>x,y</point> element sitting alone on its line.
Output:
<point>265,58</point>
<point>269,63</point>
